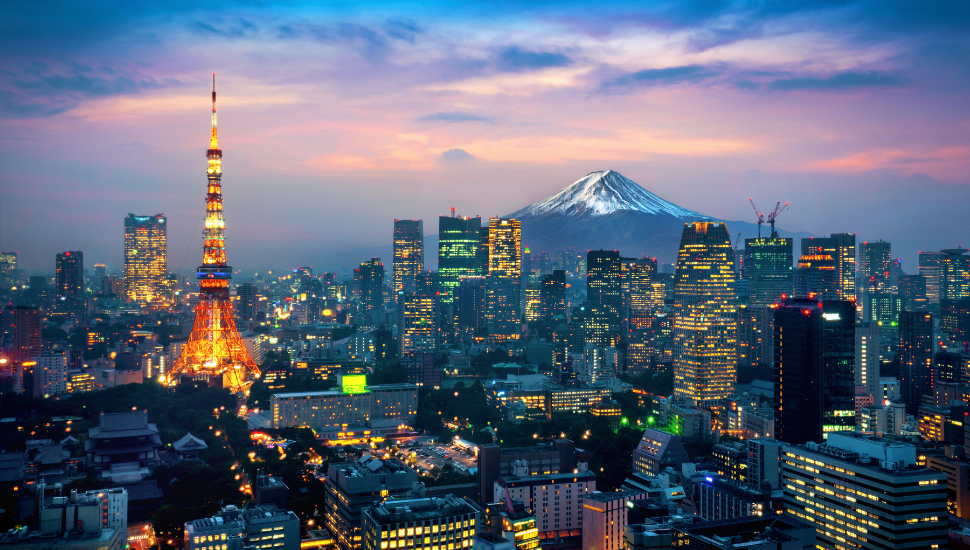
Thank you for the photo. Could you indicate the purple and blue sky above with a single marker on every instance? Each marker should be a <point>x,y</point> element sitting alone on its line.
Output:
<point>334,121</point>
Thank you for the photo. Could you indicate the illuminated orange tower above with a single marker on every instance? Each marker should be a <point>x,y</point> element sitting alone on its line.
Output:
<point>214,347</point>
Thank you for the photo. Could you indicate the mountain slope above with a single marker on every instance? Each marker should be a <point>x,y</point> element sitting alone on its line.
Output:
<point>606,210</point>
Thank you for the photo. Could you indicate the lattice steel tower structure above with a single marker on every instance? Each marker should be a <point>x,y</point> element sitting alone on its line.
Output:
<point>214,347</point>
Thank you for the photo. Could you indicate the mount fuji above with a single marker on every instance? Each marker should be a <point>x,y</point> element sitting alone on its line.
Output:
<point>606,210</point>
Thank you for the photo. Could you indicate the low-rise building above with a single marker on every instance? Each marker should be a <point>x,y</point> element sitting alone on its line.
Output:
<point>416,522</point>
<point>657,451</point>
<point>747,533</point>
<point>123,447</point>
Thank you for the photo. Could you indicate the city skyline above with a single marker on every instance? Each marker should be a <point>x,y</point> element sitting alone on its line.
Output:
<point>340,121</point>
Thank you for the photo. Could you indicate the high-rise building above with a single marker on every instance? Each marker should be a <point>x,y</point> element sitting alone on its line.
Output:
<point>214,349</point>
<point>247,301</point>
<point>954,274</point>
<point>814,371</point>
<point>70,275</point>
<point>604,517</point>
<point>459,239</point>
<point>369,290</point>
<point>408,254</point>
<point>874,260</point>
<point>867,362</point>
<point>504,280</point>
<point>866,492</point>
<point>915,357</point>
<point>50,373</point>
<point>481,261</point>
<point>929,267</point>
<point>603,285</point>
<point>532,302</point>
<point>146,257</point>
<point>768,269</point>
<point>416,329</point>
<point>817,275</point>
<point>470,308</point>
<point>25,324</point>
<point>8,263</point>
<point>912,291</point>
<point>637,284</point>
<point>590,326</point>
<point>841,246</point>
<point>552,294</point>
<point>556,500</point>
<point>755,341</point>
<point>705,322</point>
<point>955,319</point>
<point>353,487</point>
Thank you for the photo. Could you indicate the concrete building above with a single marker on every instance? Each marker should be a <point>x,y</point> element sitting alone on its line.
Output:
<point>604,516</point>
<point>657,451</point>
<point>352,487</point>
<point>764,464</point>
<point>494,462</point>
<point>270,528</point>
<point>957,471</point>
<point>747,533</point>
<point>875,496</point>
<point>420,523</point>
<point>556,500</point>
<point>87,521</point>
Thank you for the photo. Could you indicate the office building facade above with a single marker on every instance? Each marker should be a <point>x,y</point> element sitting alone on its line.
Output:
<point>705,314</point>
<point>69,279</point>
<point>459,239</point>
<point>408,252</point>
<point>915,357</point>
<point>768,269</point>
<point>841,247</point>
<point>146,258</point>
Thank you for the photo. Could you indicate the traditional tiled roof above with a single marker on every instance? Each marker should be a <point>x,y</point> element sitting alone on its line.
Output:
<point>189,442</point>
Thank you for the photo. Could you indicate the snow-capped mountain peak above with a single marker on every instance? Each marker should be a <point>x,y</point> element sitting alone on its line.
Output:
<point>601,193</point>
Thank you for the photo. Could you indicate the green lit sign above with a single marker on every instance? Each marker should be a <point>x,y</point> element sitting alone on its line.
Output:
<point>353,383</point>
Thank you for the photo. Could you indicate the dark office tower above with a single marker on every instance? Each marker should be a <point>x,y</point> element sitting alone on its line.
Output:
<point>459,240</point>
<point>527,266</point>
<point>915,357</point>
<point>755,346</point>
<point>552,294</point>
<point>814,369</point>
<point>841,246</point>
<point>482,261</point>
<point>25,336</point>
<point>874,260</point>
<point>408,253</point>
<point>590,324</point>
<point>70,274</point>
<point>504,280</point>
<point>955,319</point>
<point>246,293</point>
<point>929,267</point>
<point>954,274</point>
<point>912,291</point>
<point>768,269</point>
<point>8,263</point>
<point>369,290</point>
<point>817,276</point>
<point>146,257</point>
<point>705,326</point>
<point>948,367</point>
<point>603,282</point>
<point>470,307</point>
<point>638,276</point>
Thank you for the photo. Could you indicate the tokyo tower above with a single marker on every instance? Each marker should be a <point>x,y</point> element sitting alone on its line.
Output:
<point>214,348</point>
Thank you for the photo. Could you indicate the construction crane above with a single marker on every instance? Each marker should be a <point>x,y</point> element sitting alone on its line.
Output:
<point>737,241</point>
<point>774,215</point>
<point>761,216</point>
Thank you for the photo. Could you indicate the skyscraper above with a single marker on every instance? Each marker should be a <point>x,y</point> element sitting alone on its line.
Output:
<point>638,278</point>
<point>459,239</point>
<point>504,280</point>
<point>247,301</point>
<point>369,290</point>
<point>146,257</point>
<point>705,314</point>
<point>603,285</point>
<point>69,282</point>
<point>768,269</point>
<point>954,274</point>
<point>929,267</point>
<point>8,263</point>
<point>841,246</point>
<point>25,331</point>
<point>482,260</point>
<point>755,344</point>
<point>470,308</point>
<point>915,357</point>
<point>552,294</point>
<point>912,291</point>
<point>408,253</point>
<point>214,348</point>
<point>814,370</point>
<point>416,330</point>
<point>874,261</point>
<point>867,362</point>
<point>817,275</point>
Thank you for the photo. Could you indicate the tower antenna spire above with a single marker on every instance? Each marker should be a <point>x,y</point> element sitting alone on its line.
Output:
<point>214,140</point>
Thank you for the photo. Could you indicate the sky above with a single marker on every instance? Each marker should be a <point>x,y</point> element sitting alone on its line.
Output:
<point>334,121</point>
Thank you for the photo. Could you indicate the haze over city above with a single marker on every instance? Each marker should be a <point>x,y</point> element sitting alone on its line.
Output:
<point>334,121</point>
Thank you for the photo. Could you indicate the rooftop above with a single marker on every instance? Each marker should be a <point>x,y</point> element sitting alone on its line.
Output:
<point>415,509</point>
